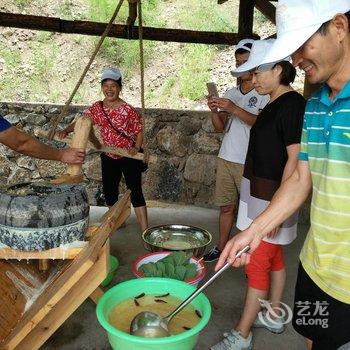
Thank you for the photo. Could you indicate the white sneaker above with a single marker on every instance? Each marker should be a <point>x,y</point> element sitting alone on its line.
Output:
<point>234,341</point>
<point>273,325</point>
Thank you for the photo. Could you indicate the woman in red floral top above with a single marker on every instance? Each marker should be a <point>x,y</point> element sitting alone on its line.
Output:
<point>119,126</point>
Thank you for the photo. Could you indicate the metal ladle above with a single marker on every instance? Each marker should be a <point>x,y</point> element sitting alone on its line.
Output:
<point>151,325</point>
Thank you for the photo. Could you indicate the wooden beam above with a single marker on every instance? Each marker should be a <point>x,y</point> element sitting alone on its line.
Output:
<point>267,9</point>
<point>245,18</point>
<point>52,24</point>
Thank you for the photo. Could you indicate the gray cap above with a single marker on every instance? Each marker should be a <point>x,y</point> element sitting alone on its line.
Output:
<point>243,45</point>
<point>111,73</point>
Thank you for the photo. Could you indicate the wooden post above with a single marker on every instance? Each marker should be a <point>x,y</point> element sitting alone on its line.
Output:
<point>245,19</point>
<point>80,138</point>
<point>132,12</point>
<point>267,9</point>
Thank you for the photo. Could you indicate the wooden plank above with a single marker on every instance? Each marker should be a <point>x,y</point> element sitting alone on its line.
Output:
<point>123,216</point>
<point>92,230</point>
<point>110,222</point>
<point>58,25</point>
<point>267,9</point>
<point>55,253</point>
<point>245,18</point>
<point>79,292</point>
<point>76,270</point>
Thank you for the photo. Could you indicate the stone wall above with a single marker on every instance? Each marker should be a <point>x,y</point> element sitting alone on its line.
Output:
<point>184,142</point>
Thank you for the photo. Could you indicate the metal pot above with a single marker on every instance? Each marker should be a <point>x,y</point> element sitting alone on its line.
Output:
<point>176,237</point>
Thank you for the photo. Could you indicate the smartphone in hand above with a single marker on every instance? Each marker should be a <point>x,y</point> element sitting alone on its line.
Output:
<point>227,124</point>
<point>212,90</point>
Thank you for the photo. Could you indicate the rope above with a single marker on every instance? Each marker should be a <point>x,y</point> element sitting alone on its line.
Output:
<point>97,48</point>
<point>142,69</point>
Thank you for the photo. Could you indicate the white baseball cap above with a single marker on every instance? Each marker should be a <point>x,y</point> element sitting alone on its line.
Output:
<point>111,73</point>
<point>298,20</point>
<point>243,44</point>
<point>259,50</point>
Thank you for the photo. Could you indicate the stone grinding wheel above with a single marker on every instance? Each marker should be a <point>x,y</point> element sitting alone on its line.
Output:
<point>40,216</point>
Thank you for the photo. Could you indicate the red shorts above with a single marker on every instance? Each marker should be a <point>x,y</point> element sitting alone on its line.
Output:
<point>266,258</point>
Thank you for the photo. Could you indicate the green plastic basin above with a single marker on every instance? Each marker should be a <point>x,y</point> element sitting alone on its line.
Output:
<point>123,341</point>
<point>113,266</point>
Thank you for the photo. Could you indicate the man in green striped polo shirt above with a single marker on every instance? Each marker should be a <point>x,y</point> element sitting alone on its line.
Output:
<point>317,34</point>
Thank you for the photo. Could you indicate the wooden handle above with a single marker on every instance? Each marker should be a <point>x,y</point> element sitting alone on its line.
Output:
<point>80,138</point>
<point>113,150</point>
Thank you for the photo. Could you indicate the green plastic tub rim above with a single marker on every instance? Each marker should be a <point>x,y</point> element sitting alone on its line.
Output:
<point>113,267</point>
<point>141,340</point>
<point>114,263</point>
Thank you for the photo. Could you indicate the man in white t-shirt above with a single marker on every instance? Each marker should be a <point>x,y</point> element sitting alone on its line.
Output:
<point>234,114</point>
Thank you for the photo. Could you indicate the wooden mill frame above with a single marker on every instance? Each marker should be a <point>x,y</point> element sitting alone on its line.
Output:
<point>79,280</point>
